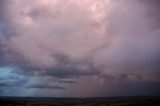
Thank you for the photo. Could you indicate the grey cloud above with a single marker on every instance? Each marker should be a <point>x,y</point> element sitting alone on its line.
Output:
<point>36,13</point>
<point>129,77</point>
<point>67,81</point>
<point>3,85</point>
<point>46,87</point>
<point>10,80</point>
<point>59,72</point>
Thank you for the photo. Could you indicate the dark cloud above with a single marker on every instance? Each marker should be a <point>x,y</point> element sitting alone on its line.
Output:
<point>58,72</point>
<point>66,81</point>
<point>9,81</point>
<point>2,53</point>
<point>3,85</point>
<point>65,69</point>
<point>46,87</point>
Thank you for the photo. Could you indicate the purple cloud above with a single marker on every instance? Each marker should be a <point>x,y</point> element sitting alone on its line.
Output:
<point>109,41</point>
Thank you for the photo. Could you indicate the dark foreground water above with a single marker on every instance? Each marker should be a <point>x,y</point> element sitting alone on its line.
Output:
<point>105,101</point>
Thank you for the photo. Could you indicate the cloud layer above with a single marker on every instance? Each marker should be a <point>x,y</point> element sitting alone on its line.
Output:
<point>68,44</point>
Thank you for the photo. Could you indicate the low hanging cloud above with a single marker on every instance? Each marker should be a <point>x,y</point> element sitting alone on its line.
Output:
<point>110,40</point>
<point>45,87</point>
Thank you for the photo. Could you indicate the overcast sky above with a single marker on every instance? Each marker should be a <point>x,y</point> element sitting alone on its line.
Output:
<point>79,48</point>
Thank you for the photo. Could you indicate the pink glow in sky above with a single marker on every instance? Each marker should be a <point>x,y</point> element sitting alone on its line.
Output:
<point>79,48</point>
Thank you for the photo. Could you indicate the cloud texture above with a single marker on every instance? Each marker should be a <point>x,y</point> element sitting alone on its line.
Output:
<point>68,44</point>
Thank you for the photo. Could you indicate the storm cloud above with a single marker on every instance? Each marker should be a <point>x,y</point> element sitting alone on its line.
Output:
<point>100,44</point>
